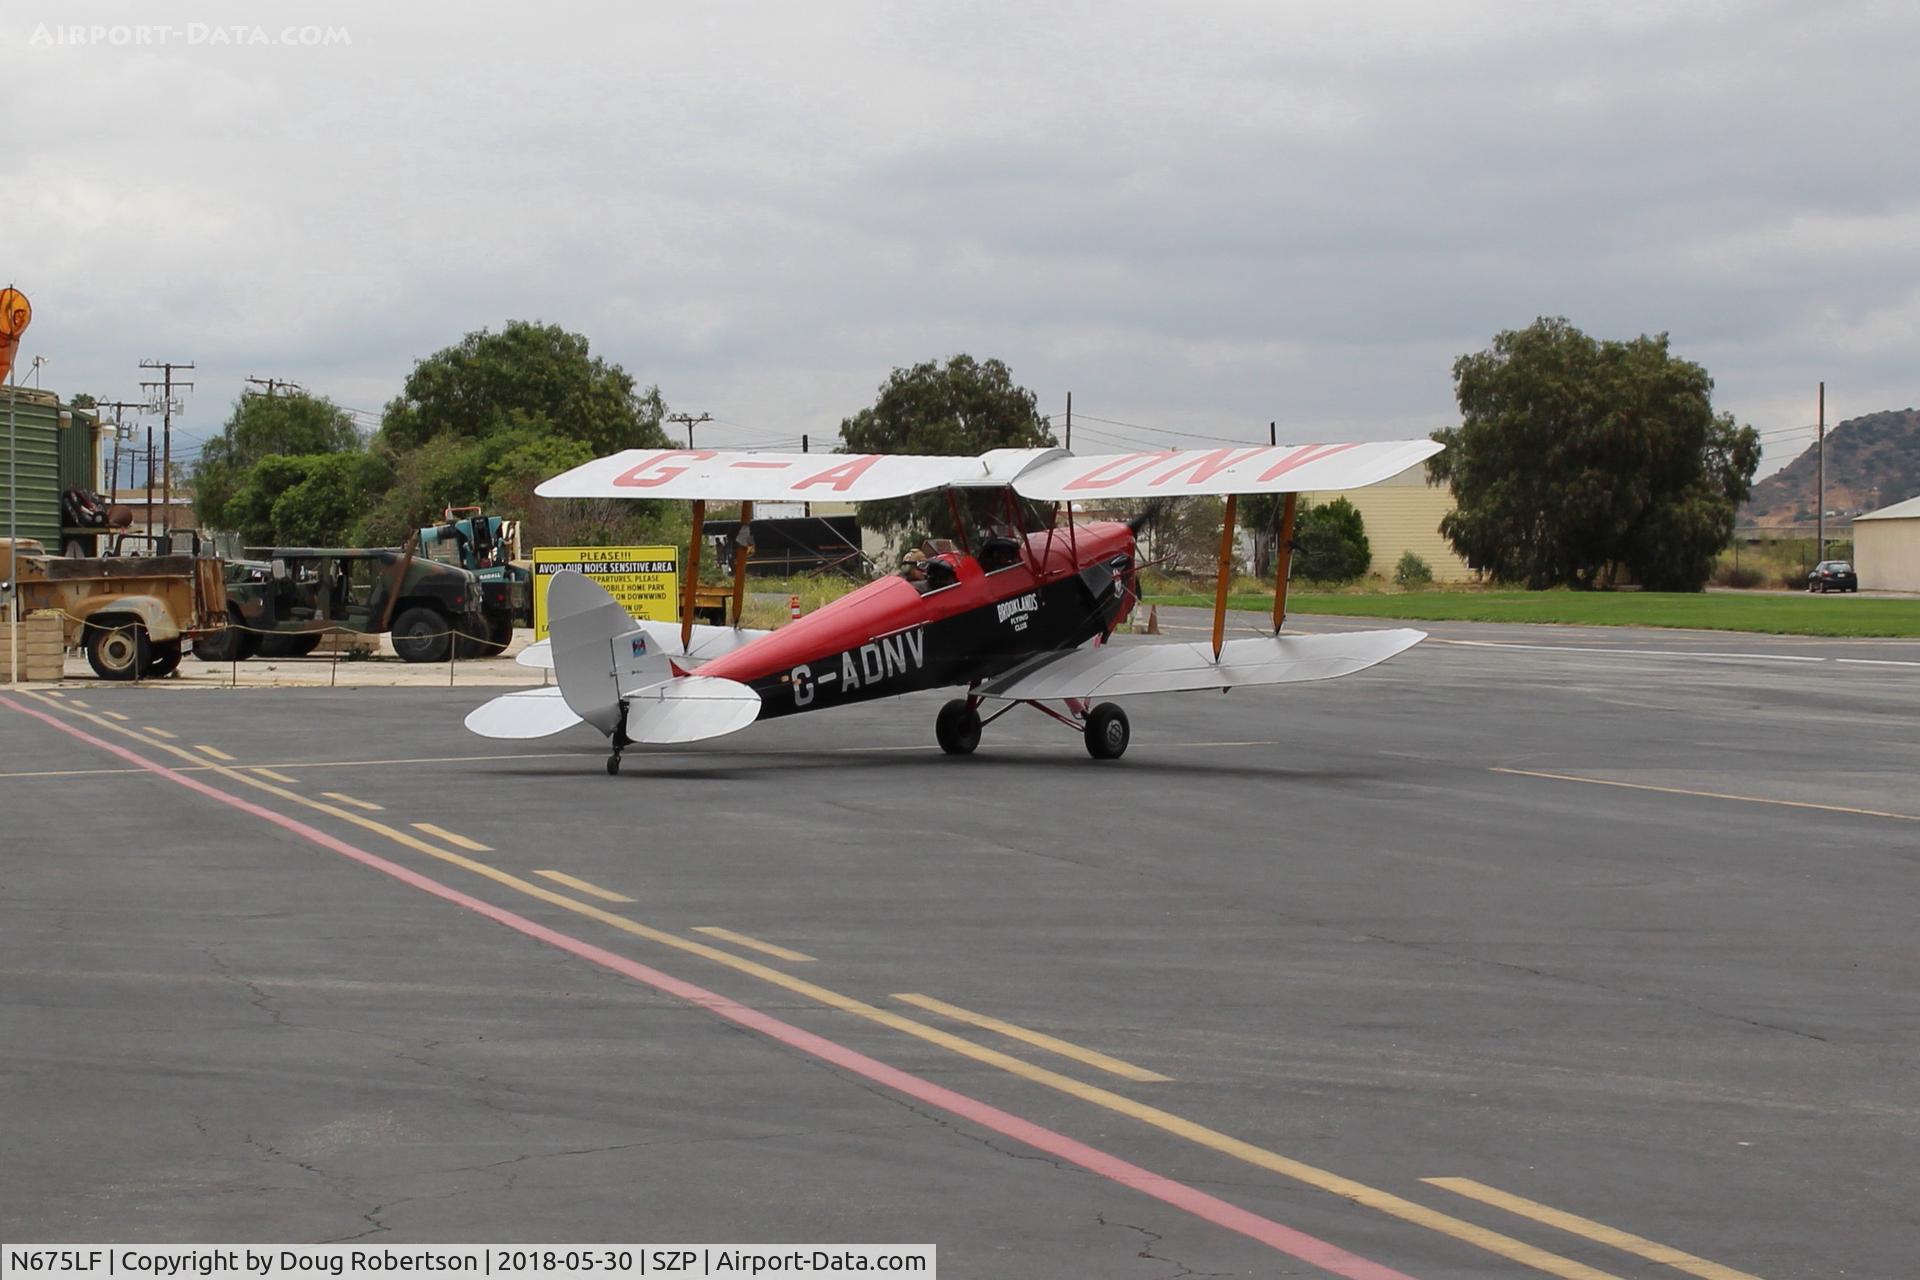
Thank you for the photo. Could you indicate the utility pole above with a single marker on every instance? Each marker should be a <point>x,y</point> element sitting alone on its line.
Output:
<point>271,383</point>
<point>806,508</point>
<point>119,430</point>
<point>166,438</point>
<point>690,422</point>
<point>1069,422</point>
<point>1821,490</point>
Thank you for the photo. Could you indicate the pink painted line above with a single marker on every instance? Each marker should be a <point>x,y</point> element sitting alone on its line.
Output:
<point>1285,1239</point>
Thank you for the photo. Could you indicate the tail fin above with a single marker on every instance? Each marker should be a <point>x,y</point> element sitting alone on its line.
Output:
<point>598,649</point>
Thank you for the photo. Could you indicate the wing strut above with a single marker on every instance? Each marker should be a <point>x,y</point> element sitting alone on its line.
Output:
<point>1226,572</point>
<point>1283,561</point>
<point>739,564</point>
<point>692,582</point>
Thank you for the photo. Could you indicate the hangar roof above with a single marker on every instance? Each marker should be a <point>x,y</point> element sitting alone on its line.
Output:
<point>1908,510</point>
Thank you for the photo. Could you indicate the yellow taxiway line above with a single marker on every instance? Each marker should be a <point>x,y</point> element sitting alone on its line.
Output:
<point>1711,795</point>
<point>592,890</point>
<point>1624,1240</point>
<point>754,944</point>
<point>215,752</point>
<point>452,837</point>
<point>355,801</point>
<point>275,774</point>
<point>1039,1040</point>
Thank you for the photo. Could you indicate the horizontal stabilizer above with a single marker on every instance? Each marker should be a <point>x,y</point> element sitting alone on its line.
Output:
<point>688,709</point>
<point>1119,670</point>
<point>524,713</point>
<point>708,644</point>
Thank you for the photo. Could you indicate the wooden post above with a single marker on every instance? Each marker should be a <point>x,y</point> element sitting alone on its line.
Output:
<point>1283,560</point>
<point>740,562</point>
<point>1226,572</point>
<point>692,581</point>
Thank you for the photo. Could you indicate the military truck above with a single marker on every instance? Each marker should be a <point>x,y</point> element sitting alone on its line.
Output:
<point>283,601</point>
<point>130,613</point>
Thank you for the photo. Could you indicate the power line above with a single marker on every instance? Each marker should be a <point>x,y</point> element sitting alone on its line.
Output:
<point>1165,431</point>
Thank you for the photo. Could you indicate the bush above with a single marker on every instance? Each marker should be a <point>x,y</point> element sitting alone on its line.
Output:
<point>1330,543</point>
<point>1412,571</point>
<point>1744,577</point>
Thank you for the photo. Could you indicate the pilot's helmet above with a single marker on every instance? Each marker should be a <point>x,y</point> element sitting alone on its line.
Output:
<point>914,557</point>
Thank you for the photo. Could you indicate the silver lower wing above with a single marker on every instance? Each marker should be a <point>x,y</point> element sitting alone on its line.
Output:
<point>1114,671</point>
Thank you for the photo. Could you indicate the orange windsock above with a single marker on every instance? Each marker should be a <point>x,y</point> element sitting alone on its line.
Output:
<point>15,314</point>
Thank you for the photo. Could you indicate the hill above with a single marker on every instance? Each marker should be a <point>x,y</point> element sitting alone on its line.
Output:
<point>1872,461</point>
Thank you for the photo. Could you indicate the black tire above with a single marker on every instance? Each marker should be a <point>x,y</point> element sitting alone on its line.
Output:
<point>119,652</point>
<point>421,634</point>
<point>957,728</point>
<point>1107,732</point>
<point>289,644</point>
<point>216,646</point>
<point>493,644</point>
<point>166,659</point>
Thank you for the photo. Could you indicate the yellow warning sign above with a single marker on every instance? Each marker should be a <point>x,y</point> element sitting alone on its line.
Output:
<point>645,580</point>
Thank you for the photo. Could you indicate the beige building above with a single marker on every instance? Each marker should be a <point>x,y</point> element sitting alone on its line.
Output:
<point>1403,514</point>
<point>1886,547</point>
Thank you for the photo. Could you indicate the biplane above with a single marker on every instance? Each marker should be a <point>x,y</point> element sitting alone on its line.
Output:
<point>1015,614</point>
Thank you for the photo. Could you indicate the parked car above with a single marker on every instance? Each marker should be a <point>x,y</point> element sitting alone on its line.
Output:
<point>1833,575</point>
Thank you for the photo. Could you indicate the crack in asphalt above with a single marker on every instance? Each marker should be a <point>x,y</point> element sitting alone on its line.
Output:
<point>256,997</point>
<point>1181,1269</point>
<point>1595,985</point>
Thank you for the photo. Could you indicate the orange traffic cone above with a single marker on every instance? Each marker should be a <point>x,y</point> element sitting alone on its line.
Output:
<point>1153,619</point>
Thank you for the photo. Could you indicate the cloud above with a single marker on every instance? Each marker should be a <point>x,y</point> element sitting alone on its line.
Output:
<point>1203,219</point>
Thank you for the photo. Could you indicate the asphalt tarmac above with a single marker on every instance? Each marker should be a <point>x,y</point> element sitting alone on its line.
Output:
<point>1537,950</point>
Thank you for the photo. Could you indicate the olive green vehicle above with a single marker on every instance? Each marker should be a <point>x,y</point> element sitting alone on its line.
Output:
<point>282,602</point>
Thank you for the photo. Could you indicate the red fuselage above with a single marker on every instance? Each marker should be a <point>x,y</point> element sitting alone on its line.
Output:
<point>1051,590</point>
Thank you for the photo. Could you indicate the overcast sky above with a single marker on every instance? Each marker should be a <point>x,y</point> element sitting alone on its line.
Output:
<point>1195,218</point>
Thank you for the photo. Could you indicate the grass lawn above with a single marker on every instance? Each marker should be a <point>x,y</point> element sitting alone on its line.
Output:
<point>1800,615</point>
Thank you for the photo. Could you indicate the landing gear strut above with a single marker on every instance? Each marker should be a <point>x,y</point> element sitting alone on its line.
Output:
<point>620,740</point>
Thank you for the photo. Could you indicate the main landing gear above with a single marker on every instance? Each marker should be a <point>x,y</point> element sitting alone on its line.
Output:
<point>620,740</point>
<point>1104,728</point>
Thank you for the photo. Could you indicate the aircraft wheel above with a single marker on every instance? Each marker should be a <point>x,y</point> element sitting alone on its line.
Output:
<point>958,728</point>
<point>1107,732</point>
<point>613,765</point>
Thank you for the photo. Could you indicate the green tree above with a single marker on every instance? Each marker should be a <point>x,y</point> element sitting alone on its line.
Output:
<point>1575,455</point>
<point>258,428</point>
<point>1330,543</point>
<point>528,374</point>
<point>964,406</point>
<point>303,499</point>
